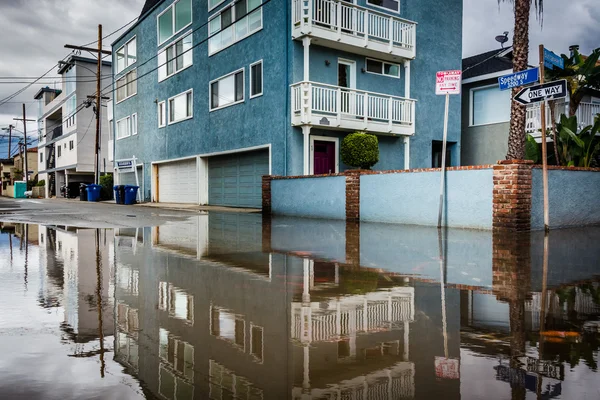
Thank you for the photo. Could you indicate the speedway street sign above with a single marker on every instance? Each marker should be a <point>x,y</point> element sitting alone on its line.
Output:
<point>541,92</point>
<point>518,79</point>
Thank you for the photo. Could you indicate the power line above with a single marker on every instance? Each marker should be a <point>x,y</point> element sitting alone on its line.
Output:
<point>112,33</point>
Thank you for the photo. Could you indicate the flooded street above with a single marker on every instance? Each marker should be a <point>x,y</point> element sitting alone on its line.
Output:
<point>237,306</point>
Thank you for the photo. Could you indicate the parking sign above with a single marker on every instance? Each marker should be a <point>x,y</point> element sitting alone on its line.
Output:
<point>448,82</point>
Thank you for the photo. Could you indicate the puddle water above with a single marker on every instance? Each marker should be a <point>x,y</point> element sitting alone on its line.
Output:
<point>229,306</point>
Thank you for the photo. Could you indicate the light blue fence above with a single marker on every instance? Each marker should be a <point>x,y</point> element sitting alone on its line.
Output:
<point>322,197</point>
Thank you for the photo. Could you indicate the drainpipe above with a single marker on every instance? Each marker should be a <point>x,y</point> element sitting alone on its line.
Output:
<point>407,152</point>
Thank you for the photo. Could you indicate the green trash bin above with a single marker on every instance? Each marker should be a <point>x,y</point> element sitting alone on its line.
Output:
<point>20,189</point>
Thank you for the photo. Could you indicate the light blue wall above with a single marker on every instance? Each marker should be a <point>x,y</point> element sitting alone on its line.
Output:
<point>413,198</point>
<point>574,198</point>
<point>311,197</point>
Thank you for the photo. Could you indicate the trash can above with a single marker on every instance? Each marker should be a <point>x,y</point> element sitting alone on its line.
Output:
<point>20,189</point>
<point>83,192</point>
<point>119,194</point>
<point>93,192</point>
<point>131,194</point>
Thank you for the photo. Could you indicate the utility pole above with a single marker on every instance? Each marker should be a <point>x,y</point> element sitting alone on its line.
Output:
<point>10,128</point>
<point>25,120</point>
<point>98,96</point>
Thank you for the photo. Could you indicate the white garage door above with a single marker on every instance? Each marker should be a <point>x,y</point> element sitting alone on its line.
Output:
<point>178,182</point>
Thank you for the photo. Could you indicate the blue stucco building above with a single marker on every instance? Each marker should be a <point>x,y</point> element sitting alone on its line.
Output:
<point>211,95</point>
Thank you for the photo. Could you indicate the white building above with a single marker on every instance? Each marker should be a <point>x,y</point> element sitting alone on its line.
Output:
<point>66,127</point>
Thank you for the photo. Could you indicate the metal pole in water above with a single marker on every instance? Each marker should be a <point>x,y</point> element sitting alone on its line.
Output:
<point>443,173</point>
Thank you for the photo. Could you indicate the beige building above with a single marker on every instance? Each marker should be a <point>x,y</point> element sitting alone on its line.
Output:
<point>32,165</point>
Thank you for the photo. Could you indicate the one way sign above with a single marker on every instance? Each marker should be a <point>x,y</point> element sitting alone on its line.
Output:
<point>544,91</point>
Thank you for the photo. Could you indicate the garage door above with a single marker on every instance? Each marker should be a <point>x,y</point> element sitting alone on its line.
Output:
<point>236,179</point>
<point>178,182</point>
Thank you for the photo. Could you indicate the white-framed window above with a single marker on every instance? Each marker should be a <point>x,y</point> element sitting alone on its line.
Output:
<point>235,22</point>
<point>173,20</point>
<point>69,110</point>
<point>124,128</point>
<point>162,114</point>
<point>127,86</point>
<point>181,107</point>
<point>227,90</point>
<point>257,342</point>
<point>71,144</point>
<point>134,130</point>
<point>391,5</point>
<point>175,57</point>
<point>212,4</point>
<point>41,157</point>
<point>58,150</point>
<point>489,105</point>
<point>256,79</point>
<point>127,55</point>
<point>382,68</point>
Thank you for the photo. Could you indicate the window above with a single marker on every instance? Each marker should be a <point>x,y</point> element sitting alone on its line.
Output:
<point>127,86</point>
<point>162,114</point>
<point>41,158</point>
<point>490,105</point>
<point>256,79</point>
<point>181,107</point>
<point>437,148</point>
<point>58,154</point>
<point>127,55</point>
<point>229,326</point>
<point>124,128</point>
<point>175,57</point>
<point>174,19</point>
<point>134,124</point>
<point>393,5</point>
<point>234,23</point>
<point>70,81</point>
<point>71,145</point>
<point>213,3</point>
<point>383,68</point>
<point>227,90</point>
<point>70,108</point>
<point>256,342</point>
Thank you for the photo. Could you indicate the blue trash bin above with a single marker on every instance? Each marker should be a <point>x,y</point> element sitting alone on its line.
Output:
<point>119,194</point>
<point>131,194</point>
<point>93,192</point>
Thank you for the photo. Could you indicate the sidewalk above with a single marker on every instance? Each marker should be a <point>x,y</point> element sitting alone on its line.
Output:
<point>195,207</point>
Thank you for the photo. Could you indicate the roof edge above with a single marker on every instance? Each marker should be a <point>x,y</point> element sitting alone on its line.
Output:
<point>139,20</point>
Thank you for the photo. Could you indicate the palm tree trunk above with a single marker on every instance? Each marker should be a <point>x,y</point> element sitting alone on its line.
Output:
<point>516,136</point>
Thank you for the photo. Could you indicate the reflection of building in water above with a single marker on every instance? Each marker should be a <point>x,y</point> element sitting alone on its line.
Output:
<point>354,346</point>
<point>69,257</point>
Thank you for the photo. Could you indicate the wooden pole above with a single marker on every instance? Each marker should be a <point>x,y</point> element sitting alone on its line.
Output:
<point>443,173</point>
<point>544,147</point>
<point>98,107</point>
<point>9,139</point>
<point>25,170</point>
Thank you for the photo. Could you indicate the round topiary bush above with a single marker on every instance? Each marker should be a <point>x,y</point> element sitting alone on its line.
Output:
<point>360,150</point>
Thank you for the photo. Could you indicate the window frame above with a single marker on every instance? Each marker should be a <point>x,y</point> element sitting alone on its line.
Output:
<point>126,84</point>
<point>384,8</point>
<point>471,107</point>
<point>58,151</point>
<point>215,6</point>
<point>125,54</point>
<point>172,6</point>
<point>71,145</point>
<point>382,68</point>
<point>163,104</point>
<point>169,122</point>
<point>231,6</point>
<point>128,125</point>
<point>243,70</point>
<point>173,43</point>
<point>262,79</point>
<point>134,125</point>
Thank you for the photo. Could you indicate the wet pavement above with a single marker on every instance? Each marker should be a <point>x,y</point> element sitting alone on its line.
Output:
<point>237,306</point>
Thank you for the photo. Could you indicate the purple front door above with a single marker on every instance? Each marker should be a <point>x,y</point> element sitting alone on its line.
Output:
<point>324,162</point>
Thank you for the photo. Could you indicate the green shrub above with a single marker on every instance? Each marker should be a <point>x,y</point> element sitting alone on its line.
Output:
<point>360,150</point>
<point>106,190</point>
<point>41,183</point>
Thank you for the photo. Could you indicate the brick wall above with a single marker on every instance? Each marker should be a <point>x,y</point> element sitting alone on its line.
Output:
<point>353,196</point>
<point>266,194</point>
<point>512,195</point>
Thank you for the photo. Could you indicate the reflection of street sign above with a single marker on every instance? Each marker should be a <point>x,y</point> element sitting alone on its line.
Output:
<point>547,368</point>
<point>448,82</point>
<point>447,368</point>
<point>519,78</point>
<point>125,166</point>
<point>551,59</point>
<point>544,91</point>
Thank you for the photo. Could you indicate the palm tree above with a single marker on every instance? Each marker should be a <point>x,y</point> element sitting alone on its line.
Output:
<point>516,136</point>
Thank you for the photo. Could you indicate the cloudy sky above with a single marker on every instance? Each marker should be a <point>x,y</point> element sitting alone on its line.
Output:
<point>40,28</point>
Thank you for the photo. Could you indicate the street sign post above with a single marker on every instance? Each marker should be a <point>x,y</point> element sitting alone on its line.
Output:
<point>519,78</point>
<point>542,92</point>
<point>446,83</point>
<point>553,60</point>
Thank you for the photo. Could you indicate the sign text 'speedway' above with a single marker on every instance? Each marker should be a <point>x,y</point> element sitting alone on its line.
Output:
<point>518,79</point>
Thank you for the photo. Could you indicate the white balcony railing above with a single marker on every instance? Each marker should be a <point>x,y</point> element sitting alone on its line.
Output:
<point>346,23</point>
<point>337,107</point>
<point>586,112</point>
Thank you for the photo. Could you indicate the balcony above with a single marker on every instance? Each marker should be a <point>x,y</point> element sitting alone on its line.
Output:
<point>348,27</point>
<point>334,107</point>
<point>585,116</point>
